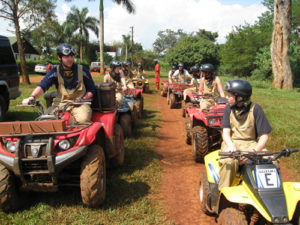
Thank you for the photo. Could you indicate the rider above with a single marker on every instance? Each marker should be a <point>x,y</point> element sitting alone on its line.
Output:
<point>210,84</point>
<point>157,73</point>
<point>245,128</point>
<point>128,74</point>
<point>181,75</point>
<point>117,76</point>
<point>195,81</point>
<point>139,71</point>
<point>73,82</point>
<point>171,73</point>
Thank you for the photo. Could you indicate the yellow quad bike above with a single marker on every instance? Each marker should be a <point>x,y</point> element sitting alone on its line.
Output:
<point>257,194</point>
<point>141,83</point>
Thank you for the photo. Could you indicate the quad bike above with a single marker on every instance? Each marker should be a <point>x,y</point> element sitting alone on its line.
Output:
<point>175,94</point>
<point>257,194</point>
<point>203,127</point>
<point>141,83</point>
<point>127,115</point>
<point>192,100</point>
<point>137,95</point>
<point>51,152</point>
<point>164,88</point>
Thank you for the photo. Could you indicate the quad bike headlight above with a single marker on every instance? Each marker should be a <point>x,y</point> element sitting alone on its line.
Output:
<point>212,121</point>
<point>11,146</point>
<point>64,144</point>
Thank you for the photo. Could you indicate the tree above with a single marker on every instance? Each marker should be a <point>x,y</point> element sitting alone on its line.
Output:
<point>193,50</point>
<point>126,45</point>
<point>129,7</point>
<point>281,66</point>
<point>81,24</point>
<point>167,40</point>
<point>32,13</point>
<point>212,36</point>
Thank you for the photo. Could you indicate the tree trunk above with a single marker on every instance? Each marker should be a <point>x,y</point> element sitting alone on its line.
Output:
<point>101,39</point>
<point>283,77</point>
<point>81,49</point>
<point>126,52</point>
<point>25,76</point>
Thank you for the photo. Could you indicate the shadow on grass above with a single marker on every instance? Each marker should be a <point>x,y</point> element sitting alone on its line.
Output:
<point>21,116</point>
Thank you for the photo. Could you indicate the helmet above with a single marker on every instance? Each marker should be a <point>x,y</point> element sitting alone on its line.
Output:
<point>174,67</point>
<point>239,87</point>
<point>155,60</point>
<point>207,67</point>
<point>195,68</point>
<point>65,49</point>
<point>139,64</point>
<point>126,63</point>
<point>114,64</point>
<point>181,64</point>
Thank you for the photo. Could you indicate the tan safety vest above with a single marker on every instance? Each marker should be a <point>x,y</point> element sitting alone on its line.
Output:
<point>118,84</point>
<point>181,77</point>
<point>211,89</point>
<point>65,95</point>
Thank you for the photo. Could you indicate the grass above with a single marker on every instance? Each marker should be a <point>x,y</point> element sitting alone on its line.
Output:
<point>131,189</point>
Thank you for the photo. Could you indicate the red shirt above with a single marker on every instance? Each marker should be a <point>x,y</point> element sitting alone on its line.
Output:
<point>157,70</point>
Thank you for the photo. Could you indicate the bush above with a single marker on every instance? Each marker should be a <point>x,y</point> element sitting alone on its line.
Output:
<point>263,63</point>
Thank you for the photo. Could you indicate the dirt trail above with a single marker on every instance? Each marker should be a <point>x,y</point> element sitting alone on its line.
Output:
<point>181,176</point>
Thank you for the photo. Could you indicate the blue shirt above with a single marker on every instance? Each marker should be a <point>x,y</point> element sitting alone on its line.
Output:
<point>51,78</point>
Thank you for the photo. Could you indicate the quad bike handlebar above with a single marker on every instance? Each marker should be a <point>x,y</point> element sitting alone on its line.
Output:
<point>257,156</point>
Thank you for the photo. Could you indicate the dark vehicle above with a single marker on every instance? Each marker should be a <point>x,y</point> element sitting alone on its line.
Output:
<point>9,76</point>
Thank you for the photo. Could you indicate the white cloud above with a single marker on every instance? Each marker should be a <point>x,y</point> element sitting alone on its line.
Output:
<point>189,15</point>
<point>62,16</point>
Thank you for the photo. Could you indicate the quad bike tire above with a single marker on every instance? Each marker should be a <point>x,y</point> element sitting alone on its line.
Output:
<point>172,100</point>
<point>93,177</point>
<point>188,138</point>
<point>296,217</point>
<point>125,122</point>
<point>232,216</point>
<point>187,105</point>
<point>200,143</point>
<point>118,160</point>
<point>9,197</point>
<point>146,88</point>
<point>205,195</point>
<point>134,116</point>
<point>138,107</point>
<point>168,97</point>
<point>3,108</point>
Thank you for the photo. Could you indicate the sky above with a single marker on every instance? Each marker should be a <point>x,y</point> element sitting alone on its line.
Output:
<point>155,15</point>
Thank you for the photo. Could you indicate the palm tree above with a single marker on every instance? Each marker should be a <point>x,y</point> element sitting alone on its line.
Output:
<point>126,44</point>
<point>79,22</point>
<point>129,7</point>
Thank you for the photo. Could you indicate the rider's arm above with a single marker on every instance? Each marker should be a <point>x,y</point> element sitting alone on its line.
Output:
<point>201,86</point>
<point>89,84</point>
<point>262,142</point>
<point>37,92</point>
<point>220,87</point>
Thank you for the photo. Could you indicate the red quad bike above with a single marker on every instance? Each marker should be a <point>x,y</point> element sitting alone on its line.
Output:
<point>49,152</point>
<point>175,94</point>
<point>137,95</point>
<point>192,100</point>
<point>203,128</point>
<point>164,88</point>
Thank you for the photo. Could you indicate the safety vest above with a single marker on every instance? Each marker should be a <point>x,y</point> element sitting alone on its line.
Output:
<point>211,88</point>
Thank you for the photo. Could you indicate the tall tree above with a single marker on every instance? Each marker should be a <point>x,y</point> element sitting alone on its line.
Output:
<point>129,7</point>
<point>126,45</point>
<point>81,24</point>
<point>212,36</point>
<point>281,66</point>
<point>32,13</point>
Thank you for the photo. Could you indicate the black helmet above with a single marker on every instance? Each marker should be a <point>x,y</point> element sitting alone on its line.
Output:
<point>181,64</point>
<point>174,67</point>
<point>239,87</point>
<point>126,63</point>
<point>65,49</point>
<point>195,68</point>
<point>207,67</point>
<point>114,64</point>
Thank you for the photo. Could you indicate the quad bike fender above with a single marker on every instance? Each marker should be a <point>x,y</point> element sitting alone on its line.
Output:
<point>241,194</point>
<point>292,195</point>
<point>200,116</point>
<point>138,91</point>
<point>107,122</point>
<point>212,167</point>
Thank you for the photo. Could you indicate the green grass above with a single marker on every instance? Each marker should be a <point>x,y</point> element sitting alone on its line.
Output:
<point>131,189</point>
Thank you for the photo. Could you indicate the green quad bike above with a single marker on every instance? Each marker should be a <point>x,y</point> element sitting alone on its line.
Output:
<point>257,194</point>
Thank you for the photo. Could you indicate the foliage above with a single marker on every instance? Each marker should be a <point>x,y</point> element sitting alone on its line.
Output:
<point>212,36</point>
<point>167,40</point>
<point>193,50</point>
<point>295,62</point>
<point>146,57</point>
<point>263,64</point>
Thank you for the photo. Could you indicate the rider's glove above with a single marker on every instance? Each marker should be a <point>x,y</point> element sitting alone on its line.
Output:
<point>26,101</point>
